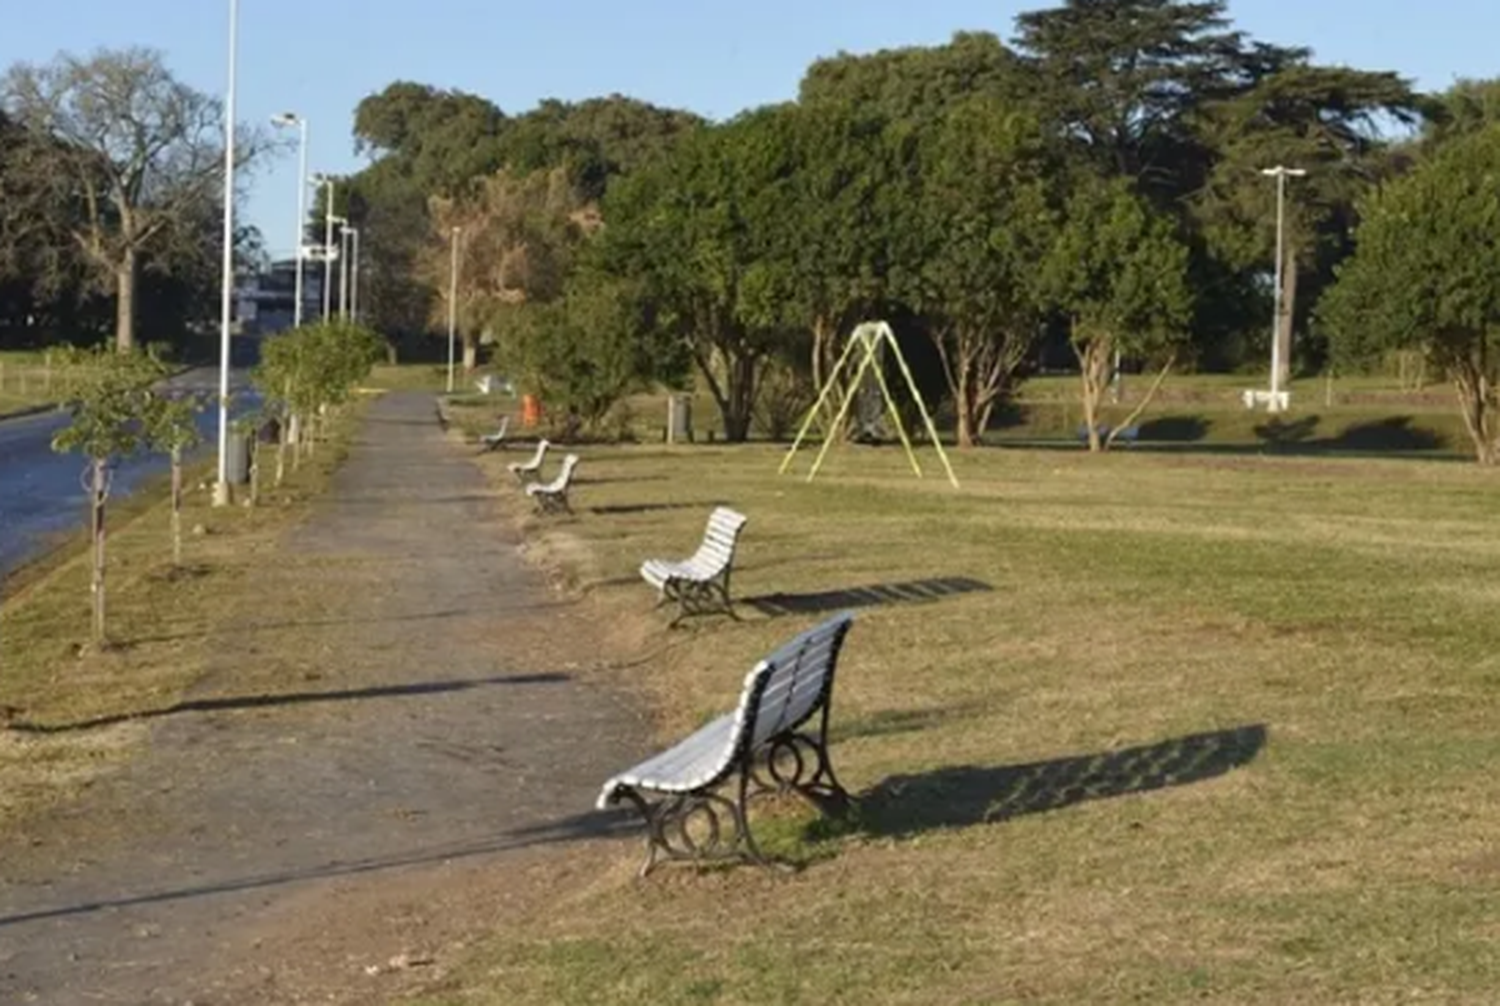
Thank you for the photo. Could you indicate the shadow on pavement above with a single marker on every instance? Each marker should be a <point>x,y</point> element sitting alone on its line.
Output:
<point>288,699</point>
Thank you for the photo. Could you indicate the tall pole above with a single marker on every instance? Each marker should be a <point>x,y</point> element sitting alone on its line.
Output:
<point>354,278</point>
<point>301,216</point>
<point>328,251</point>
<point>344,271</point>
<point>293,119</point>
<point>1280,172</point>
<point>226,280</point>
<point>452,303</point>
<point>1276,293</point>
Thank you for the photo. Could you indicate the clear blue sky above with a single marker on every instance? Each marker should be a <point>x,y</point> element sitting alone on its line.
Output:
<point>320,57</point>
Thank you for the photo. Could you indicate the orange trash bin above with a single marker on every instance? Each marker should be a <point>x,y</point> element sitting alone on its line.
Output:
<point>531,411</point>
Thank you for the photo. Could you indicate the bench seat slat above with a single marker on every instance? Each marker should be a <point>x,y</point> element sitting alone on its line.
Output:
<point>698,760</point>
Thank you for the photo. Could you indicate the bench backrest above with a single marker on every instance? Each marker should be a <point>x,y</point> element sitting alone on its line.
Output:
<point>787,687</point>
<point>536,459</point>
<point>564,477</point>
<point>719,539</point>
<point>504,426</point>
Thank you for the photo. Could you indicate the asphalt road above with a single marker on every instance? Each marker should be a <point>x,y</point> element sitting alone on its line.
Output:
<point>41,492</point>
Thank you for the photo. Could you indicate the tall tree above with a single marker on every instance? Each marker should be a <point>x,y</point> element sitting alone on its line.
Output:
<point>1121,78</point>
<point>688,230</point>
<point>1426,276</point>
<point>979,220</point>
<point>1118,275</point>
<point>918,83</point>
<point>517,239</point>
<point>1467,107</point>
<point>143,150</point>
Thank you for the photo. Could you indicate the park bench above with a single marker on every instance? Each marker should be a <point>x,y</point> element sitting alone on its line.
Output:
<point>496,440</point>
<point>768,744</point>
<point>552,497</point>
<point>525,471</point>
<point>700,584</point>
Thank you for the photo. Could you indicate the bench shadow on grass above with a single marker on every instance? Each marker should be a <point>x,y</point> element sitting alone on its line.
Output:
<point>963,795</point>
<point>234,702</point>
<point>867,596</point>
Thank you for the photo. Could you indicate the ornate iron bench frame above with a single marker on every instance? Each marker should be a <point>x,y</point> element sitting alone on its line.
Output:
<point>700,584</point>
<point>765,748</point>
<point>552,497</point>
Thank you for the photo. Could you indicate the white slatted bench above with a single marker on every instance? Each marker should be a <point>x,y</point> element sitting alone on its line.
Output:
<point>496,440</point>
<point>526,471</point>
<point>775,741</point>
<point>700,584</point>
<point>552,497</point>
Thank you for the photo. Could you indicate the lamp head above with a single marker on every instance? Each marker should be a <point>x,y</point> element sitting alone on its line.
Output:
<point>286,119</point>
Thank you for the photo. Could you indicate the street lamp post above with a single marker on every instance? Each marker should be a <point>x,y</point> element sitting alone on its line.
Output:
<point>452,302</point>
<point>354,275</point>
<point>293,119</point>
<point>345,240</point>
<point>226,280</point>
<point>1281,173</point>
<point>327,180</point>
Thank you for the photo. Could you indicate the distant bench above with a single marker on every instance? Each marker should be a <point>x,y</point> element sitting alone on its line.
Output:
<point>494,441</point>
<point>552,497</point>
<point>525,471</point>
<point>760,747</point>
<point>700,583</point>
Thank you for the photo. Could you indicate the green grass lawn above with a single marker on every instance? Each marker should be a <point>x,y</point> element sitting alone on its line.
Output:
<point>26,380</point>
<point>1216,727</point>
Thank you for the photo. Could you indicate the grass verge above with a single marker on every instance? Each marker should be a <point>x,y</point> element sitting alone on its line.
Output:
<point>1147,727</point>
<point>161,621</point>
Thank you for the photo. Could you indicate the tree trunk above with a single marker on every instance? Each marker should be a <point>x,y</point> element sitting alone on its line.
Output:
<point>1474,400</point>
<point>735,397</point>
<point>254,470</point>
<point>1094,371</point>
<point>1284,322</point>
<point>97,493</point>
<point>966,401</point>
<point>741,398</point>
<point>125,276</point>
<point>177,506</point>
<point>825,353</point>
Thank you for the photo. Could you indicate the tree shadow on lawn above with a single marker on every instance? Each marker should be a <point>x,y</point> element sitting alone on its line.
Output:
<point>963,795</point>
<point>867,596</point>
<point>1175,429</point>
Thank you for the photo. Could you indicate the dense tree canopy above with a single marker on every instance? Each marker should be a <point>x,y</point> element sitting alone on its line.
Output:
<point>1427,276</point>
<point>1093,188</point>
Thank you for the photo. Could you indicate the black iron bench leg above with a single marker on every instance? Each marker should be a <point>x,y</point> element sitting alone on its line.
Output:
<point>726,829</point>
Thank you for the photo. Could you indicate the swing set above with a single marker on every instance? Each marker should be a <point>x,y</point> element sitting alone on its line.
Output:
<point>868,340</point>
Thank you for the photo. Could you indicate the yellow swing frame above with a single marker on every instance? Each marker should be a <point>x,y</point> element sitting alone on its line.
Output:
<point>867,338</point>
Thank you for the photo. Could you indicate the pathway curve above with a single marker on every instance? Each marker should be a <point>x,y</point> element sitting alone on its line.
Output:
<point>443,729</point>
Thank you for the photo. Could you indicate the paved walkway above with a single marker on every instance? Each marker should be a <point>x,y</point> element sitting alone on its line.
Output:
<point>440,728</point>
